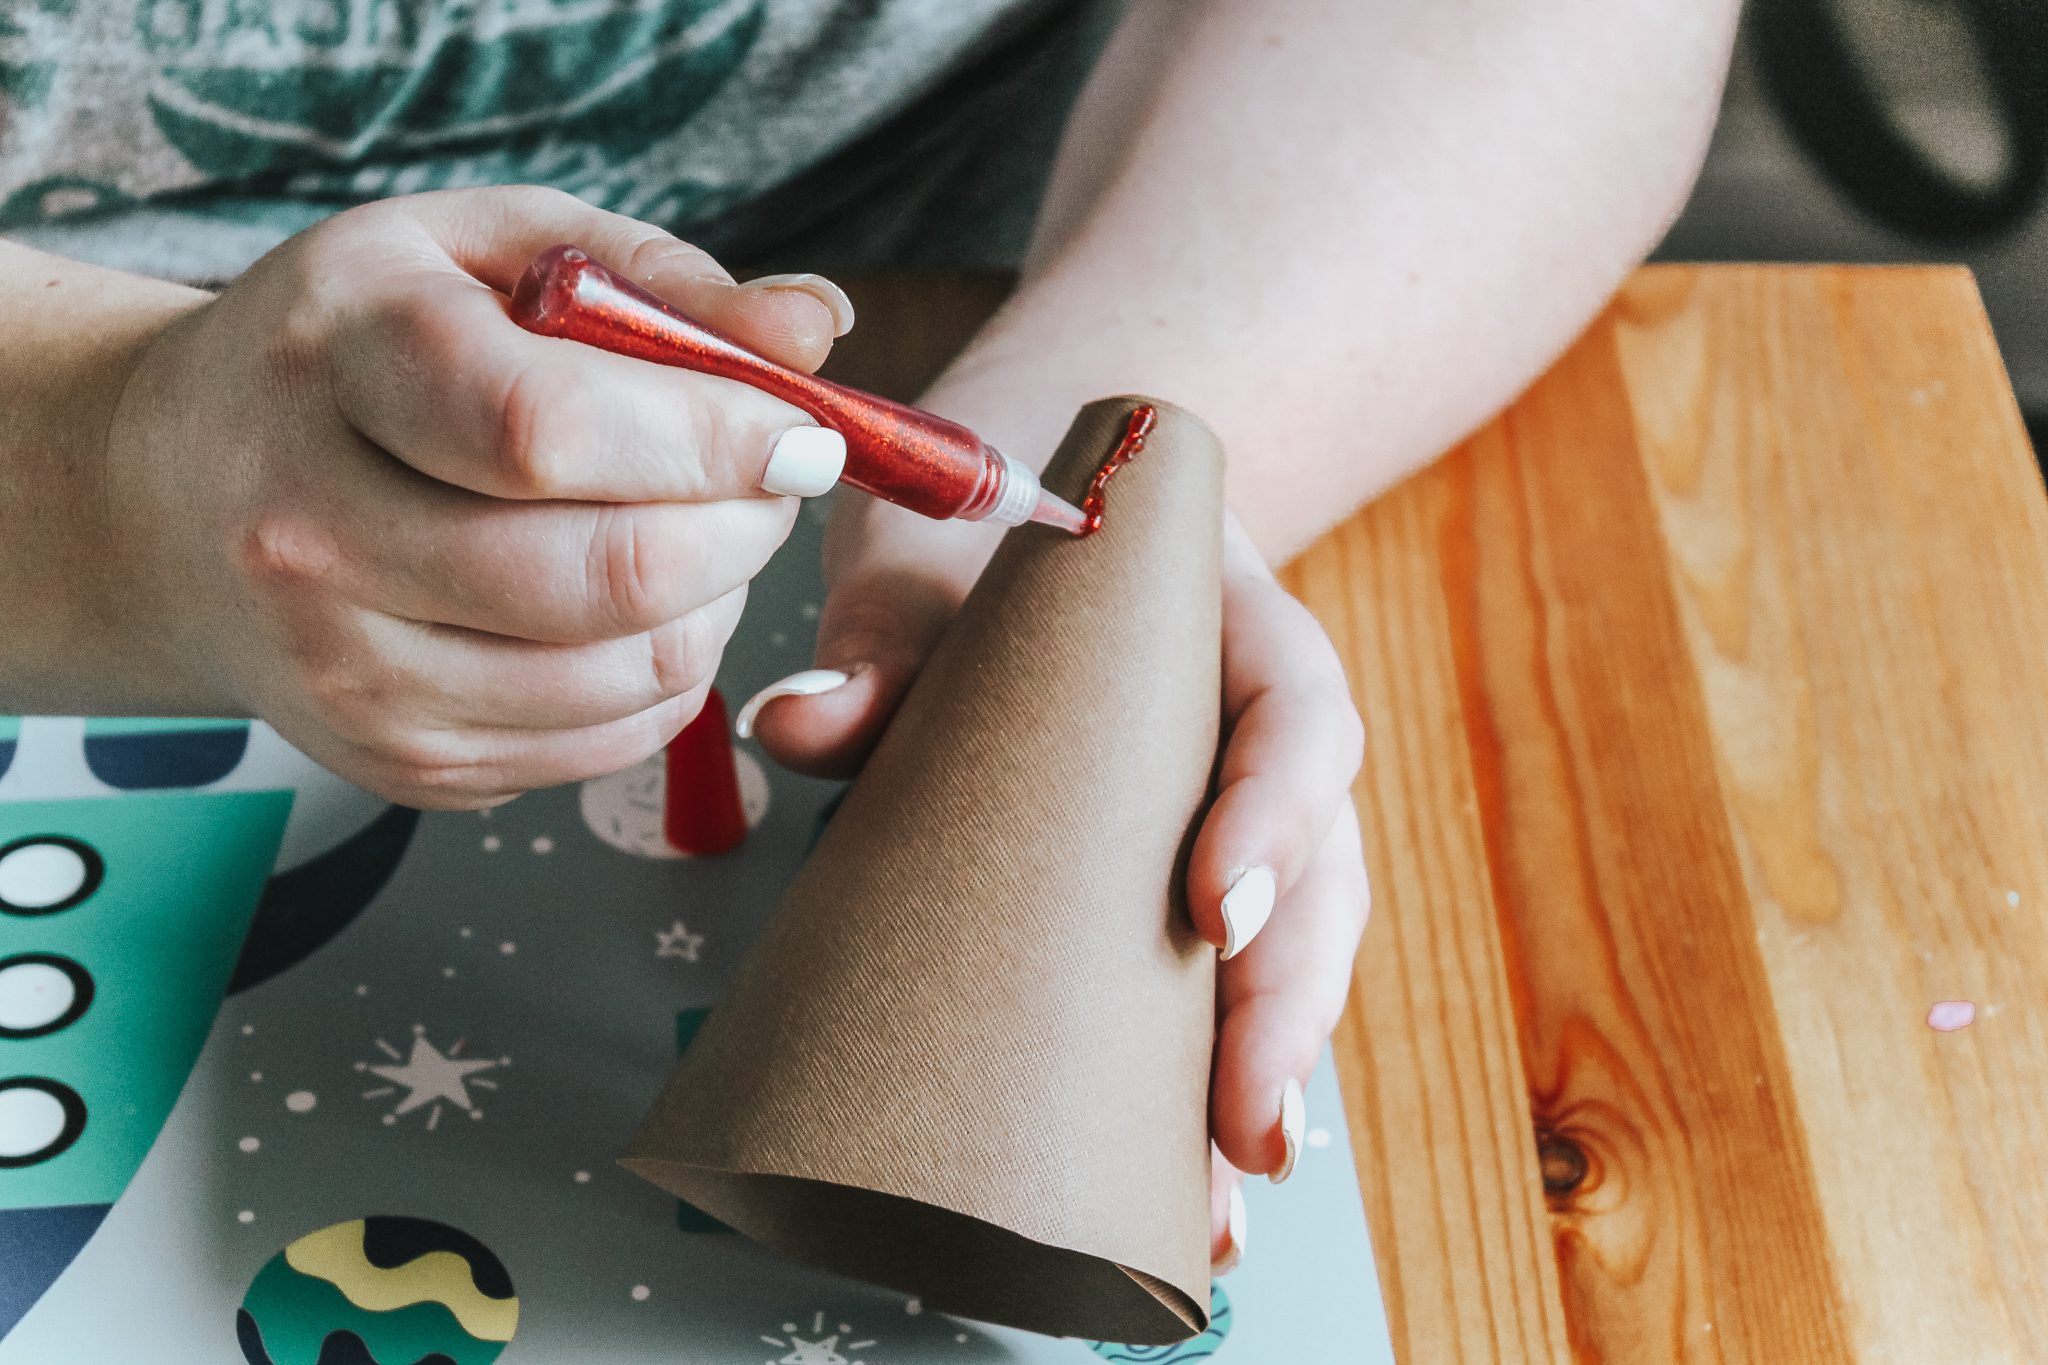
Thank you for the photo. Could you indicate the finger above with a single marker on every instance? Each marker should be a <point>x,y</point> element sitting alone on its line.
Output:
<point>879,625</point>
<point>1279,1000</point>
<point>397,543</point>
<point>495,234</point>
<point>429,367</point>
<point>819,288</point>
<point>473,679</point>
<point>872,640</point>
<point>474,769</point>
<point>1226,1215</point>
<point>1294,744</point>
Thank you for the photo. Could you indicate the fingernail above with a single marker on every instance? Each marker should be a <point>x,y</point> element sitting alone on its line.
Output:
<point>808,683</point>
<point>819,288</point>
<point>1246,906</point>
<point>1293,1115</point>
<point>1233,1232</point>
<point>806,461</point>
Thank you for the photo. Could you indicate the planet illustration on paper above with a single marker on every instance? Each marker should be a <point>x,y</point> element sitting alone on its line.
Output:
<point>1180,1352</point>
<point>379,1291</point>
<point>626,809</point>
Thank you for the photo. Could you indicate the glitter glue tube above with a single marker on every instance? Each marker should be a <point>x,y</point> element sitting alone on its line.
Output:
<point>901,454</point>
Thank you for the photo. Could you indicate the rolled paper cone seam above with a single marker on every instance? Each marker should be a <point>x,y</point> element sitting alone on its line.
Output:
<point>969,1056</point>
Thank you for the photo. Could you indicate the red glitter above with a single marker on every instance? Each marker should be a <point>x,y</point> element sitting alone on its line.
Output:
<point>702,814</point>
<point>901,454</point>
<point>1140,426</point>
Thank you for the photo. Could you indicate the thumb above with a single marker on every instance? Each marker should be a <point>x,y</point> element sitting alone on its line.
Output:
<point>874,634</point>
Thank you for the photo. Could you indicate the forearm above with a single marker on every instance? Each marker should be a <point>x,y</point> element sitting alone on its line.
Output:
<point>1345,233</point>
<point>68,333</point>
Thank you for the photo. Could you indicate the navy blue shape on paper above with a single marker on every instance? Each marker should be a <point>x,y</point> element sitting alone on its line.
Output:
<point>36,1245</point>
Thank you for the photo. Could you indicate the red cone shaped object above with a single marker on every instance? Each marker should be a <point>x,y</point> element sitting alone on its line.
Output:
<point>702,814</point>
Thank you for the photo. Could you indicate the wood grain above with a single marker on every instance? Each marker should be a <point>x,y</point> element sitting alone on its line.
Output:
<point>1440,1127</point>
<point>1709,751</point>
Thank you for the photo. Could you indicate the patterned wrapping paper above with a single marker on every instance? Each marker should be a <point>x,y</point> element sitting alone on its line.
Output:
<point>399,1135</point>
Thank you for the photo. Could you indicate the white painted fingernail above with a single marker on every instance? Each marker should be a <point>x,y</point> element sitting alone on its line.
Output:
<point>1246,906</point>
<point>1293,1119</point>
<point>819,288</point>
<point>806,461</point>
<point>808,683</point>
<point>1233,1232</point>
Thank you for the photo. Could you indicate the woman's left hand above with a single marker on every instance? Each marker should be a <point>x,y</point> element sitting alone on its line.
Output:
<point>1277,880</point>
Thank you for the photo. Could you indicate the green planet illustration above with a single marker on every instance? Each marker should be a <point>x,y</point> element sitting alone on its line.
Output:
<point>379,1291</point>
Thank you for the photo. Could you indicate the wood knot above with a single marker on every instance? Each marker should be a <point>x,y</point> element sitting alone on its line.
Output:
<point>1561,1160</point>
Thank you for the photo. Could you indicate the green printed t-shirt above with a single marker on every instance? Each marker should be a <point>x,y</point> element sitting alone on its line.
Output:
<point>186,137</point>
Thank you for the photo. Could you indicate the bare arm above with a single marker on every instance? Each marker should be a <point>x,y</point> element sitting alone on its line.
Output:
<point>1345,232</point>
<point>68,333</point>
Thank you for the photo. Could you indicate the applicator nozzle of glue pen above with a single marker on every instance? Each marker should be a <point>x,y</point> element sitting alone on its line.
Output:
<point>900,454</point>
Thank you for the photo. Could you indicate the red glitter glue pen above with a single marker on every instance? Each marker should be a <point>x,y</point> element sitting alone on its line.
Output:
<point>898,453</point>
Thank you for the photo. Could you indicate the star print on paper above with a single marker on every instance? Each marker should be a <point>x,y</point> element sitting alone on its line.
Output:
<point>430,1078</point>
<point>820,1349</point>
<point>677,941</point>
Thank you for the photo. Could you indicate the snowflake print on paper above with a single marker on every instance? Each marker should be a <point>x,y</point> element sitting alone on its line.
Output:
<point>820,1348</point>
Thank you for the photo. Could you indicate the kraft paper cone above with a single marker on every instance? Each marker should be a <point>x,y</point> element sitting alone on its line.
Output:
<point>969,1058</point>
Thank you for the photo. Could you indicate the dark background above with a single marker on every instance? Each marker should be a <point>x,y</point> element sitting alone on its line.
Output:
<point>1891,130</point>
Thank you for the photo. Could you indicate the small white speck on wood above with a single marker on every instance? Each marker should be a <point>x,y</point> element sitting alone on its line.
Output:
<point>1946,1016</point>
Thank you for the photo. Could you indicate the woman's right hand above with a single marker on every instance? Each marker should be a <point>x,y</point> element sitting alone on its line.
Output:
<point>449,559</point>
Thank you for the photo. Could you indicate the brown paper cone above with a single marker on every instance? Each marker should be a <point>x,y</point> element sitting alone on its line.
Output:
<point>969,1058</point>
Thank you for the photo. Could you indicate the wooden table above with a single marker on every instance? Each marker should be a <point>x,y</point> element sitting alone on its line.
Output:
<point>1708,690</point>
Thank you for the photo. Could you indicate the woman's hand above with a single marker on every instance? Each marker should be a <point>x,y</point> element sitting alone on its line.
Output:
<point>447,558</point>
<point>1277,880</point>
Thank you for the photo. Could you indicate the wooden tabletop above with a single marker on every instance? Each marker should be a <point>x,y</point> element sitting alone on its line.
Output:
<point>1708,693</point>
